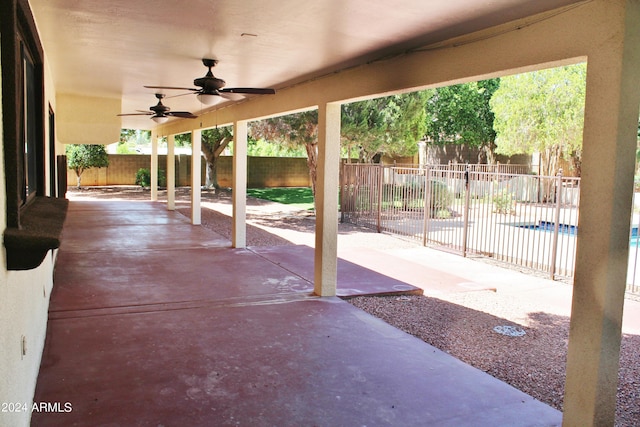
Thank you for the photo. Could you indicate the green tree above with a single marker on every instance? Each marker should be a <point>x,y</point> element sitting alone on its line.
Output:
<point>291,131</point>
<point>81,157</point>
<point>461,114</point>
<point>390,125</point>
<point>542,112</point>
<point>130,139</point>
<point>214,141</point>
<point>638,149</point>
<point>263,148</point>
<point>126,141</point>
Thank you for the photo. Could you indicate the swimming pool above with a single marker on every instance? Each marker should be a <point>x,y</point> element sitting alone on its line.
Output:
<point>572,230</point>
<point>569,229</point>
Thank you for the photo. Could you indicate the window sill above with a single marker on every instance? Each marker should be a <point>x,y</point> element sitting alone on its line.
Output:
<point>41,230</point>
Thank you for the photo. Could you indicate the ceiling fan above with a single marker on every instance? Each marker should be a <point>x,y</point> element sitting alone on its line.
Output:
<point>210,88</point>
<point>160,113</point>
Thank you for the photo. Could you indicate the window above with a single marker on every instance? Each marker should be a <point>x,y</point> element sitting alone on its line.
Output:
<point>23,107</point>
<point>31,145</point>
<point>34,223</point>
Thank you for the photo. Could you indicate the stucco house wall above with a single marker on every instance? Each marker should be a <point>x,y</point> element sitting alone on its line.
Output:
<point>24,303</point>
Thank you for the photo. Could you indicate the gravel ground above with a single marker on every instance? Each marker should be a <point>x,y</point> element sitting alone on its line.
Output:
<point>459,323</point>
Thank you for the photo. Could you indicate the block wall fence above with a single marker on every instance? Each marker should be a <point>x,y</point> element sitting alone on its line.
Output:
<point>261,171</point>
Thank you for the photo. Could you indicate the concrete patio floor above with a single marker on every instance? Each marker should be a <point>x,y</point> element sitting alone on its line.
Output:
<point>156,322</point>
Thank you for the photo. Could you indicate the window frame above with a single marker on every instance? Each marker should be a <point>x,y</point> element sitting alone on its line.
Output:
<point>34,222</point>
<point>19,40</point>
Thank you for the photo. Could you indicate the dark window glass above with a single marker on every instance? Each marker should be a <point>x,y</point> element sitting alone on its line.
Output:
<point>23,108</point>
<point>30,128</point>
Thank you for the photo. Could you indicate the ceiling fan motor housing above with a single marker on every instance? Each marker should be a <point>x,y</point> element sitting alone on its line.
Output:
<point>160,113</point>
<point>160,108</point>
<point>209,84</point>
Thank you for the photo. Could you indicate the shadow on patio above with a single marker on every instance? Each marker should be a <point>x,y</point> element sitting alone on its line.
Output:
<point>156,322</point>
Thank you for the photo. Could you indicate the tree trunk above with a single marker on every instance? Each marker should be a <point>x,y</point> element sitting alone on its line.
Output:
<point>211,179</point>
<point>212,151</point>
<point>489,151</point>
<point>212,173</point>
<point>312,163</point>
<point>576,162</point>
<point>78,174</point>
<point>549,164</point>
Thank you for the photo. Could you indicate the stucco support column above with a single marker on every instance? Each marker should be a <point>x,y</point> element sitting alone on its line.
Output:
<point>608,160</point>
<point>196,172</point>
<point>154,166</point>
<point>239,184</point>
<point>171,173</point>
<point>326,250</point>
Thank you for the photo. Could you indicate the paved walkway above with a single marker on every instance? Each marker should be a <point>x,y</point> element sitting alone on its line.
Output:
<point>156,322</point>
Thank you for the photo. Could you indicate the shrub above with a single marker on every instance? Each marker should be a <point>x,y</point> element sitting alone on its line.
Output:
<point>143,177</point>
<point>442,214</point>
<point>441,197</point>
<point>503,202</point>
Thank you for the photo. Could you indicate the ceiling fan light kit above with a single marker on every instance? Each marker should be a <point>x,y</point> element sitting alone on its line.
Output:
<point>160,119</point>
<point>209,99</point>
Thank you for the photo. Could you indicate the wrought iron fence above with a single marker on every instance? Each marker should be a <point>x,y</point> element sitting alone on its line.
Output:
<point>633,269</point>
<point>507,168</point>
<point>521,219</point>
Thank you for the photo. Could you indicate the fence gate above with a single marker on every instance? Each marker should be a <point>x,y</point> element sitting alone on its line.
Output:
<point>360,195</point>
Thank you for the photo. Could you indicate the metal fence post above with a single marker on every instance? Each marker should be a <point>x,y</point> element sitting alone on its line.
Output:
<point>380,198</point>
<point>556,227</point>
<point>341,193</point>
<point>427,204</point>
<point>632,286</point>
<point>465,230</point>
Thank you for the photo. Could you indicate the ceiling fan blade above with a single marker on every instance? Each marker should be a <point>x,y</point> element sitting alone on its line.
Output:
<point>209,88</point>
<point>232,96</point>
<point>182,114</point>
<point>172,88</point>
<point>249,90</point>
<point>137,114</point>
<point>181,94</point>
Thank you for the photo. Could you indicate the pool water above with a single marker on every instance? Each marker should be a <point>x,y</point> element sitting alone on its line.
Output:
<point>572,230</point>
<point>569,229</point>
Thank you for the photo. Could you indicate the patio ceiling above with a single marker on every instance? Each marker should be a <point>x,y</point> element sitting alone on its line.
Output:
<point>112,49</point>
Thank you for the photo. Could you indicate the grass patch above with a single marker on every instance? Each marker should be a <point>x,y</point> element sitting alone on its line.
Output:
<point>301,197</point>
